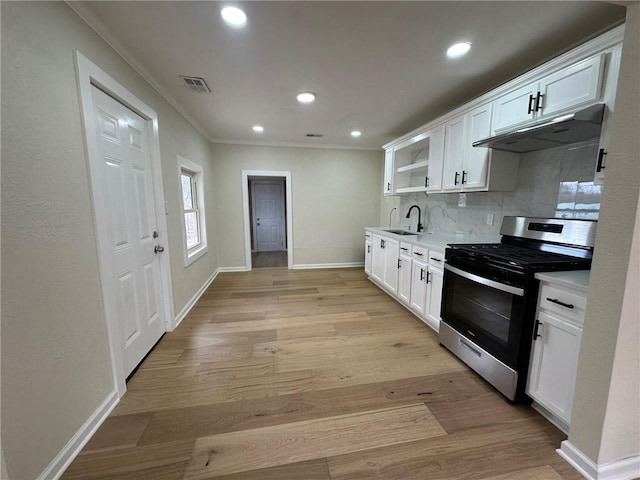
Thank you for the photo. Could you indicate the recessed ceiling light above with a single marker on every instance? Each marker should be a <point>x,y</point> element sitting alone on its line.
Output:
<point>258,128</point>
<point>458,50</point>
<point>234,16</point>
<point>356,133</point>
<point>306,97</point>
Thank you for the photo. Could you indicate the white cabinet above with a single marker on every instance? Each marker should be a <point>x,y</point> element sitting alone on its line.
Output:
<point>434,289</point>
<point>568,88</point>
<point>612,67</point>
<point>514,108</point>
<point>378,258</point>
<point>454,151</point>
<point>387,188</point>
<point>554,353</point>
<point>468,168</point>
<point>417,162</point>
<point>384,263</point>
<point>419,286</point>
<point>391,265</point>
<point>368,252</point>
<point>404,273</point>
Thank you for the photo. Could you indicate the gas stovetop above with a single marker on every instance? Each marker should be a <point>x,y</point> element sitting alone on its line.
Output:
<point>522,257</point>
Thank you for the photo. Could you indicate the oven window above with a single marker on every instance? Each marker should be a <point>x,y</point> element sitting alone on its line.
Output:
<point>484,308</point>
<point>490,317</point>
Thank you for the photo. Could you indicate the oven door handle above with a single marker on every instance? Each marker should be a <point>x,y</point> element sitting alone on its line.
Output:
<point>485,281</point>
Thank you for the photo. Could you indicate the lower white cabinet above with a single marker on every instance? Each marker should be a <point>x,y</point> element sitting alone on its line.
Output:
<point>404,273</point>
<point>368,254</point>
<point>554,352</point>
<point>434,297</point>
<point>411,273</point>
<point>384,263</point>
<point>419,286</point>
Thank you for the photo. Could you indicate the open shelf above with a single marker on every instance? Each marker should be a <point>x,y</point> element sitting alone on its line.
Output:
<point>413,166</point>
<point>411,189</point>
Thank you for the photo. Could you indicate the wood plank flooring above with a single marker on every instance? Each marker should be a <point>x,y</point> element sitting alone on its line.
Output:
<point>312,375</point>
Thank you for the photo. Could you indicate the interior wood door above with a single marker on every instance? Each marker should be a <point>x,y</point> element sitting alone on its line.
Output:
<point>268,214</point>
<point>125,185</point>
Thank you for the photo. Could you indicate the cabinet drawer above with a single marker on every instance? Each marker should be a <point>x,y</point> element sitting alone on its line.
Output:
<point>405,248</point>
<point>421,253</point>
<point>436,259</point>
<point>563,302</point>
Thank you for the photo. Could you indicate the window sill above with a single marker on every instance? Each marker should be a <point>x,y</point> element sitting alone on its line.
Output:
<point>193,255</point>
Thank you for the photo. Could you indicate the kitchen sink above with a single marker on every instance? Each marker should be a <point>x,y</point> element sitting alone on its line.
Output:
<point>401,232</point>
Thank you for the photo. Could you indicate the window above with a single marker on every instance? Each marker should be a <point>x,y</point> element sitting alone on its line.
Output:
<point>194,231</point>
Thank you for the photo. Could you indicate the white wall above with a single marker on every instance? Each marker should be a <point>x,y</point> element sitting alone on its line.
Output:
<point>55,360</point>
<point>336,193</point>
<point>595,408</point>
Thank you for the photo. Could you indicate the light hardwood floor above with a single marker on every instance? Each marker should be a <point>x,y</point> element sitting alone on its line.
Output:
<point>313,375</point>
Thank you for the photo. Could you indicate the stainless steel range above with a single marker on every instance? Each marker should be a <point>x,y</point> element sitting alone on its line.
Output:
<point>490,294</point>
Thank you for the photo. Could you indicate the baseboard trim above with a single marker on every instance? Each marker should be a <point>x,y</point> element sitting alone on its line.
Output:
<point>241,268</point>
<point>311,266</point>
<point>71,450</point>
<point>625,469</point>
<point>187,308</point>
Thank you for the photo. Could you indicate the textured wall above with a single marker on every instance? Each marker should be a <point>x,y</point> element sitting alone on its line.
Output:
<point>55,359</point>
<point>336,193</point>
<point>604,315</point>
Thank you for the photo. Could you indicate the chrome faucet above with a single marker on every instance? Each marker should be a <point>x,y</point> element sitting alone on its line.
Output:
<point>419,229</point>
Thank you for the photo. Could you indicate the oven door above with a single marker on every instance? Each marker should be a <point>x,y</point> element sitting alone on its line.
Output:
<point>485,311</point>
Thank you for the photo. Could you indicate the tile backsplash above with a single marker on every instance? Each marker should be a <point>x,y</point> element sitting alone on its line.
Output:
<point>551,183</point>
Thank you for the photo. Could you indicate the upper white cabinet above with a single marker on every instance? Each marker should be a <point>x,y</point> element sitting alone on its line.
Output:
<point>417,162</point>
<point>387,188</point>
<point>514,108</point>
<point>612,67</point>
<point>468,168</point>
<point>557,93</point>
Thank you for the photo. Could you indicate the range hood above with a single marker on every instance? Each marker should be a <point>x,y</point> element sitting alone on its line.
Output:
<point>572,128</point>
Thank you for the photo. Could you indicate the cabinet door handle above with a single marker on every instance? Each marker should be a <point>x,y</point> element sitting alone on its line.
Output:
<point>422,274</point>
<point>388,186</point>
<point>368,248</point>
<point>399,263</point>
<point>426,182</point>
<point>455,180</point>
<point>539,98</point>
<point>428,277</point>
<point>464,174</point>
<point>601,165</point>
<point>535,330</point>
<point>530,107</point>
<point>558,302</point>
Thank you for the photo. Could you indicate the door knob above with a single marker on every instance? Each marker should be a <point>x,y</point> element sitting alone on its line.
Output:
<point>158,249</point>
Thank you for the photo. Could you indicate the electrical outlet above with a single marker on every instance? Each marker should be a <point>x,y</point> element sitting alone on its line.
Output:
<point>489,220</point>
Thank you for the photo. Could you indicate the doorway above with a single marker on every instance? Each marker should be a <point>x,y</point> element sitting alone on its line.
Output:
<point>267,205</point>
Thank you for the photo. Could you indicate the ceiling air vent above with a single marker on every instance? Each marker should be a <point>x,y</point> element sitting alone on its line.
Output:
<point>196,84</point>
<point>315,135</point>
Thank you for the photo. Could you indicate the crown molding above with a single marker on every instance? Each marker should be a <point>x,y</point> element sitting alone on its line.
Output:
<point>295,145</point>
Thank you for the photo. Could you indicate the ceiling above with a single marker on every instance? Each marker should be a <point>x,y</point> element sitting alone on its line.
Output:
<point>377,67</point>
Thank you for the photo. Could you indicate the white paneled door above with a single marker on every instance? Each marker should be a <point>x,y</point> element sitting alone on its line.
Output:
<point>125,186</point>
<point>268,213</point>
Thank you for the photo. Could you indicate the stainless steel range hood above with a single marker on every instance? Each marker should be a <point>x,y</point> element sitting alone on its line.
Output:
<point>572,128</point>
